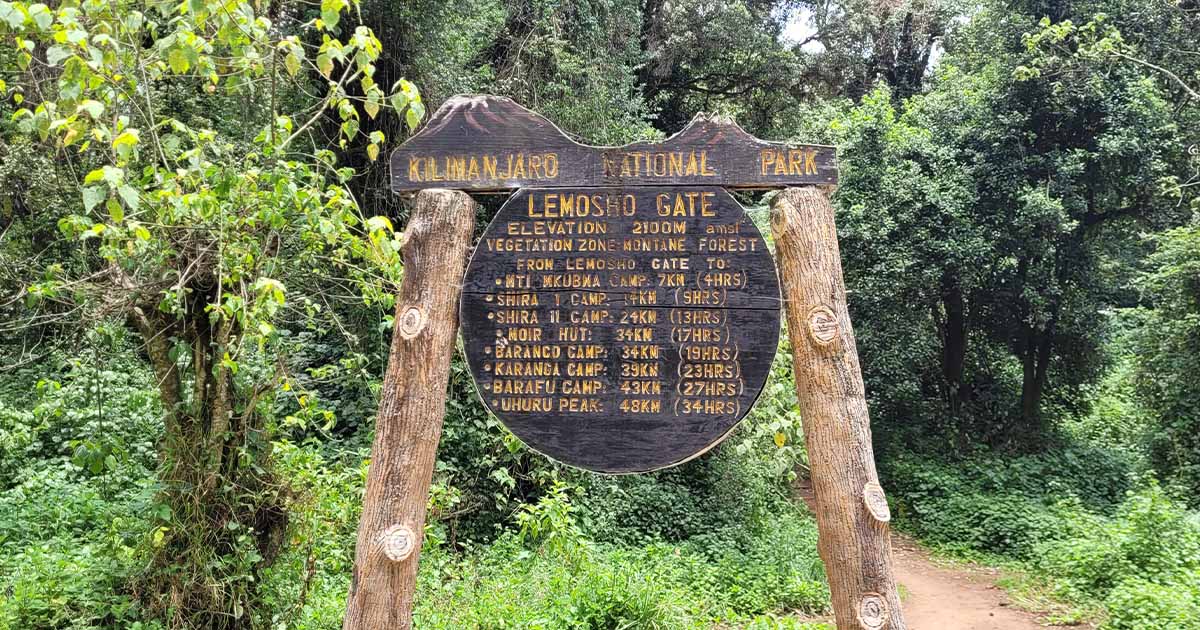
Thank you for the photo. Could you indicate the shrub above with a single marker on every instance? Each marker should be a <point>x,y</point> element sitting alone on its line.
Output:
<point>77,491</point>
<point>1004,505</point>
<point>774,568</point>
<point>1151,538</point>
<point>623,598</point>
<point>66,549</point>
<point>1137,604</point>
<point>1168,354</point>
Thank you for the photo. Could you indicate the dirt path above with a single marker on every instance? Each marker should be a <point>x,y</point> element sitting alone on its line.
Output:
<point>952,598</point>
<point>947,598</point>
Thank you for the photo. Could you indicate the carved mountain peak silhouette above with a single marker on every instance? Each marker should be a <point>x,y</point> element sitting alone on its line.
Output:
<point>470,115</point>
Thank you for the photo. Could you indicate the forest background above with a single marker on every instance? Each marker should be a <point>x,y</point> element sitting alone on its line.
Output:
<point>198,249</point>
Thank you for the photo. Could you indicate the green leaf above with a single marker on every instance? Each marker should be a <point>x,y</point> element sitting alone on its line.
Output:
<point>399,101</point>
<point>41,16</point>
<point>331,12</point>
<point>129,196</point>
<point>229,363</point>
<point>111,174</point>
<point>114,209</point>
<point>373,152</point>
<point>125,142</point>
<point>292,61</point>
<point>141,233</point>
<point>10,15</point>
<point>55,54</point>
<point>178,60</point>
<point>133,21</point>
<point>93,195</point>
<point>93,108</point>
<point>377,223</point>
<point>325,64</point>
<point>412,118</point>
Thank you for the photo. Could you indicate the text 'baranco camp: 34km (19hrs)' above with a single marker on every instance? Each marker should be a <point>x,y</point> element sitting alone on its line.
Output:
<point>621,329</point>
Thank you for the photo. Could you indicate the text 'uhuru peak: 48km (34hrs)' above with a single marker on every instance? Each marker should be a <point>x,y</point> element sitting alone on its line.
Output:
<point>621,312</point>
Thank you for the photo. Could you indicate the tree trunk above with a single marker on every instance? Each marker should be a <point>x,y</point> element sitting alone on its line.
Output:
<point>852,512</point>
<point>1035,371</point>
<point>954,342</point>
<point>410,412</point>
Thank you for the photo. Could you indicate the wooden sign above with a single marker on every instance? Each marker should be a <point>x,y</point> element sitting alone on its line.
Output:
<point>490,144</point>
<point>620,329</point>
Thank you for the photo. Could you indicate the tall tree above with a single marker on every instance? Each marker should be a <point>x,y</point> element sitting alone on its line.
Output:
<point>186,230</point>
<point>865,43</point>
<point>1002,200</point>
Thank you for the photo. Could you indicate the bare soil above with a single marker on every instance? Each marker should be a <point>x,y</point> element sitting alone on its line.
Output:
<point>952,598</point>
<point>940,597</point>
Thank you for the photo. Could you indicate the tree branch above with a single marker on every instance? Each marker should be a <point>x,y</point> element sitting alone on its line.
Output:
<point>1171,75</point>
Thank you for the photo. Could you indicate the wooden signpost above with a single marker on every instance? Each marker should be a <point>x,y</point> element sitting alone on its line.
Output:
<point>620,314</point>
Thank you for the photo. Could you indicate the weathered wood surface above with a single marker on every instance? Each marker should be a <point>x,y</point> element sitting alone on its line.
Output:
<point>411,408</point>
<point>621,329</point>
<point>852,514</point>
<point>492,144</point>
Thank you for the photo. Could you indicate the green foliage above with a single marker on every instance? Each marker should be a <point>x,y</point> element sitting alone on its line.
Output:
<point>576,555</point>
<point>1136,604</point>
<point>509,585</point>
<point>1150,536</point>
<point>1116,418</point>
<point>212,171</point>
<point>985,233</point>
<point>1168,355</point>
<point>1136,552</point>
<point>1004,505</point>
<point>550,523</point>
<point>70,538</point>
<point>190,233</point>
<point>544,570</point>
<point>307,584</point>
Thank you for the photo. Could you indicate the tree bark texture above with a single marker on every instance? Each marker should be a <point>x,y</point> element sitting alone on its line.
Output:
<point>851,510</point>
<point>438,238</point>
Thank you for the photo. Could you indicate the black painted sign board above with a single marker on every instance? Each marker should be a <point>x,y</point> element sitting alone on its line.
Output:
<point>621,312</point>
<point>492,144</point>
<point>621,329</point>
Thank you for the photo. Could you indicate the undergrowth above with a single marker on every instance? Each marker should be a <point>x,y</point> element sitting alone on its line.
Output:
<point>716,543</point>
<point>1089,531</point>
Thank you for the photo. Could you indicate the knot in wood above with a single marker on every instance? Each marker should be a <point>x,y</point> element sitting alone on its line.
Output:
<point>780,221</point>
<point>822,325</point>
<point>876,502</point>
<point>873,613</point>
<point>398,542</point>
<point>411,322</point>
